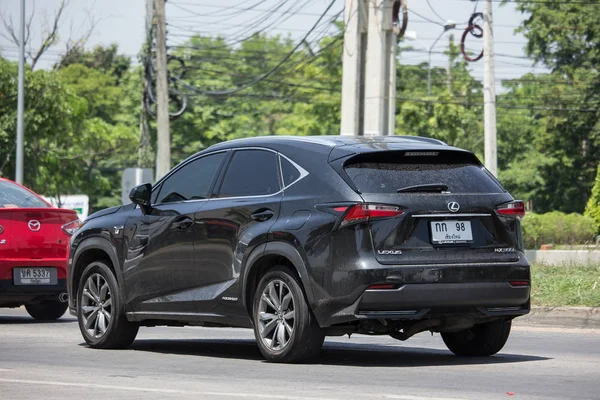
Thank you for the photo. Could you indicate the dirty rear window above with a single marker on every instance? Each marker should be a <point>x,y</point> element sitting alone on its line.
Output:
<point>14,196</point>
<point>387,173</point>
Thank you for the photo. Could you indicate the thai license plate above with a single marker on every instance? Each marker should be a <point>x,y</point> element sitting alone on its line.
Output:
<point>35,276</point>
<point>451,232</point>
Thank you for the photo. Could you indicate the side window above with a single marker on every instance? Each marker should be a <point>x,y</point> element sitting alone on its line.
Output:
<point>191,182</point>
<point>290,173</point>
<point>251,173</point>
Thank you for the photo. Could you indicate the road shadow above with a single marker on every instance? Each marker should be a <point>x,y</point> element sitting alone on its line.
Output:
<point>345,354</point>
<point>27,320</point>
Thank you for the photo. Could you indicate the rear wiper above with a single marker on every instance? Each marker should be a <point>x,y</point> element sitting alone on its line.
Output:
<point>427,188</point>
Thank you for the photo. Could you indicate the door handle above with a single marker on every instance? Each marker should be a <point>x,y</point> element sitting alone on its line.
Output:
<point>183,224</point>
<point>263,215</point>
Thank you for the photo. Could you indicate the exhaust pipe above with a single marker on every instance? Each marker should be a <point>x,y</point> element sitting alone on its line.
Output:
<point>63,297</point>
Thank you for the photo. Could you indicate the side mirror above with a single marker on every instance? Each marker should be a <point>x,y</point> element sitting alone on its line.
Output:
<point>141,196</point>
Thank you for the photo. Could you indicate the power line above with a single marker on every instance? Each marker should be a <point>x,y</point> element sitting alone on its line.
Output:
<point>268,73</point>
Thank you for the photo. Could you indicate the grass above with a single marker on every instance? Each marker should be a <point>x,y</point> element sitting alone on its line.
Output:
<point>566,285</point>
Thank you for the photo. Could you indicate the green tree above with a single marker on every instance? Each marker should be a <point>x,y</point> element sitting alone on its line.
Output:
<point>564,130</point>
<point>81,127</point>
<point>593,206</point>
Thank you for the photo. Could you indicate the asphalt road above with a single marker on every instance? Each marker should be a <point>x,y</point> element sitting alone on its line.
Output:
<point>50,361</point>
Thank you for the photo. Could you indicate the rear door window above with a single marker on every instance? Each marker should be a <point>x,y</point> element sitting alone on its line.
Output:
<point>389,172</point>
<point>251,173</point>
<point>14,196</point>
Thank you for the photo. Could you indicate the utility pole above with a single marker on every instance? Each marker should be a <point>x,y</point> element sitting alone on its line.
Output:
<point>392,47</point>
<point>163,147</point>
<point>489,91</point>
<point>355,36</point>
<point>451,58</point>
<point>21,98</point>
<point>379,69</point>
<point>144,146</point>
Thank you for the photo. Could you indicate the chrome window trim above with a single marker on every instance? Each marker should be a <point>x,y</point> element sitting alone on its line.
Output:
<point>303,174</point>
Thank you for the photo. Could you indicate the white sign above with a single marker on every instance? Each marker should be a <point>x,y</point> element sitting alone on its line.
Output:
<point>78,202</point>
<point>133,177</point>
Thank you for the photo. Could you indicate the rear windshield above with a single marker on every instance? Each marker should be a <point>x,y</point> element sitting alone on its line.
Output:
<point>389,173</point>
<point>14,196</point>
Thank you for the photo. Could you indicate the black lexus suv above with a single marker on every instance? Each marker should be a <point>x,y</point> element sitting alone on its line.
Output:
<point>304,237</point>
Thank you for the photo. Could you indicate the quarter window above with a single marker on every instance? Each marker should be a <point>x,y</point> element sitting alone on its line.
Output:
<point>192,181</point>
<point>251,173</point>
<point>290,173</point>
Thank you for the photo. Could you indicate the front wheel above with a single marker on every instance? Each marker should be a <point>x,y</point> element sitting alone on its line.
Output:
<point>284,326</point>
<point>47,310</point>
<point>100,311</point>
<point>480,340</point>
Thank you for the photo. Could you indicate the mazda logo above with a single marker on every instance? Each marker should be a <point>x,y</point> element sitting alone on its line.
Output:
<point>34,225</point>
<point>1,229</point>
<point>453,206</point>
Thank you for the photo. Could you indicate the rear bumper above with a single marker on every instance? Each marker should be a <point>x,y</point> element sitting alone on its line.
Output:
<point>413,301</point>
<point>15,296</point>
<point>12,295</point>
<point>481,290</point>
<point>7,265</point>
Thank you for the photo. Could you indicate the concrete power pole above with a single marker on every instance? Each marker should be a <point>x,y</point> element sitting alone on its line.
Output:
<point>369,73</point>
<point>21,99</point>
<point>379,69</point>
<point>355,36</point>
<point>163,147</point>
<point>144,146</point>
<point>489,92</point>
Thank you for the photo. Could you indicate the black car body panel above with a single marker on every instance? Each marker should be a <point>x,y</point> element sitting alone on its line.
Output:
<point>197,260</point>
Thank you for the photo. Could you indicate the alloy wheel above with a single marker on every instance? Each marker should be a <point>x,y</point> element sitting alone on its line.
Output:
<point>276,315</point>
<point>96,305</point>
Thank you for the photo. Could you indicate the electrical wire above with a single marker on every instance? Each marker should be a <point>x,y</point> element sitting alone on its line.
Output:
<point>268,73</point>
<point>436,13</point>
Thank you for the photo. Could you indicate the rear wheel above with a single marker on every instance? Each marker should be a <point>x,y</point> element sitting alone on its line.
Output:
<point>284,326</point>
<point>47,310</point>
<point>100,311</point>
<point>480,340</point>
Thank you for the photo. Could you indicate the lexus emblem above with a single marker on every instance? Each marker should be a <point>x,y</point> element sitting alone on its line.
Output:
<point>453,206</point>
<point>34,225</point>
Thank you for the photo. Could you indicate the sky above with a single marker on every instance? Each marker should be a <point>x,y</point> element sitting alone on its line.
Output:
<point>123,22</point>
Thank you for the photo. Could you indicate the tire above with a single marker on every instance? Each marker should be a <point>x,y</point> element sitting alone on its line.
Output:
<point>479,341</point>
<point>47,310</point>
<point>107,327</point>
<point>306,337</point>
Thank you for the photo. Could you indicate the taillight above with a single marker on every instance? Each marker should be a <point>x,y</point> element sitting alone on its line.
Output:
<point>519,283</point>
<point>71,227</point>
<point>382,286</point>
<point>366,212</point>
<point>515,208</point>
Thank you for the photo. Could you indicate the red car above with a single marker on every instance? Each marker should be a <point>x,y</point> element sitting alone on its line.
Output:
<point>34,249</point>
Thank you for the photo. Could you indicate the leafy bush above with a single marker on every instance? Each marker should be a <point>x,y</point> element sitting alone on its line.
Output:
<point>593,206</point>
<point>557,228</point>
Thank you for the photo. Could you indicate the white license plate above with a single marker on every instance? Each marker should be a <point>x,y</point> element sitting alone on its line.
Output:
<point>451,232</point>
<point>35,276</point>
